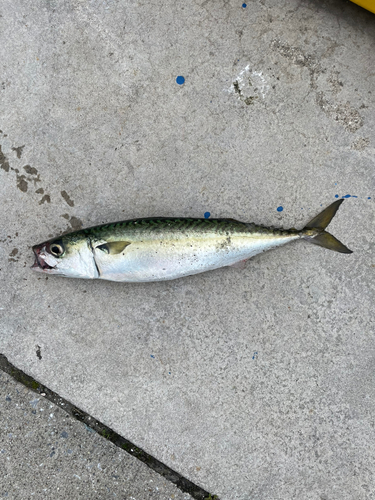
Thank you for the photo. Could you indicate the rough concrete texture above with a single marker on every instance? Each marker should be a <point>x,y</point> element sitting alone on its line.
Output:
<point>255,383</point>
<point>46,454</point>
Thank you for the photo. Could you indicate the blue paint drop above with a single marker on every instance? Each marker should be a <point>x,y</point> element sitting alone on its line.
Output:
<point>280,209</point>
<point>336,195</point>
<point>347,196</point>
<point>180,80</point>
<point>369,197</point>
<point>244,6</point>
<point>335,183</point>
<point>152,356</point>
<point>206,215</point>
<point>169,373</point>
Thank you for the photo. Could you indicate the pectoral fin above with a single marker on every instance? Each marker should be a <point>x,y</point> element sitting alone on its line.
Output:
<point>113,247</point>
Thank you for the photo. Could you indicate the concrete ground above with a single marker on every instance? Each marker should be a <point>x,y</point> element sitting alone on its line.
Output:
<point>252,384</point>
<point>46,454</point>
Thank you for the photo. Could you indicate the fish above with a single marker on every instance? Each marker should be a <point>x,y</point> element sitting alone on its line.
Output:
<point>163,248</point>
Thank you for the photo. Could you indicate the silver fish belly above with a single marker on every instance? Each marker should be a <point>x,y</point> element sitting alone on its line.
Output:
<point>170,255</point>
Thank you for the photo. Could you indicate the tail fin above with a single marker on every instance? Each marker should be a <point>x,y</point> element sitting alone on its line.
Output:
<point>323,238</point>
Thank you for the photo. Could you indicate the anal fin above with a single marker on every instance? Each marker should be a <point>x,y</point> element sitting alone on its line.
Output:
<point>239,265</point>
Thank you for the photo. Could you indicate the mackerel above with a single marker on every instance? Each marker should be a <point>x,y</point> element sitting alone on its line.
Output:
<point>157,248</point>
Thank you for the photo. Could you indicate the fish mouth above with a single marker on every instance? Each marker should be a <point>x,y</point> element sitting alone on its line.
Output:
<point>40,264</point>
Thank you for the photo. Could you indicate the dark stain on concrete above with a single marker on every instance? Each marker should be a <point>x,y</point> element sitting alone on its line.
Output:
<point>250,100</point>
<point>21,183</point>
<point>361,143</point>
<point>46,198</point>
<point>343,113</point>
<point>4,164</point>
<point>13,255</point>
<point>18,151</point>
<point>299,58</point>
<point>67,198</point>
<point>30,170</point>
<point>236,87</point>
<point>38,352</point>
<point>76,223</point>
<point>40,191</point>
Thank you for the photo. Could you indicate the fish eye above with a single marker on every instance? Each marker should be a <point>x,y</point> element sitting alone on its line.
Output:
<point>56,249</point>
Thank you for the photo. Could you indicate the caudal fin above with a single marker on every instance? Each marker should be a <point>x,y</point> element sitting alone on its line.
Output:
<point>323,238</point>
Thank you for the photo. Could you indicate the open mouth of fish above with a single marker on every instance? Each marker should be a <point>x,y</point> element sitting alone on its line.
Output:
<point>39,262</point>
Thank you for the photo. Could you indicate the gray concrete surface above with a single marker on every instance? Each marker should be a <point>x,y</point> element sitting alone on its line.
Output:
<point>253,384</point>
<point>45,453</point>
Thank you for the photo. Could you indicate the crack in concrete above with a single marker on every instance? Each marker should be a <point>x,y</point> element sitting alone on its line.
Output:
<point>174,477</point>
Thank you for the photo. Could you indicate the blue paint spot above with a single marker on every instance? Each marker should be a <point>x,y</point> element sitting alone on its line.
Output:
<point>347,196</point>
<point>335,183</point>
<point>206,215</point>
<point>369,197</point>
<point>180,80</point>
<point>244,6</point>
<point>255,355</point>
<point>280,209</point>
<point>152,356</point>
<point>169,373</point>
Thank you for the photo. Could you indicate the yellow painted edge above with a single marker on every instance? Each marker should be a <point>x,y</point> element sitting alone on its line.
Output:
<point>366,4</point>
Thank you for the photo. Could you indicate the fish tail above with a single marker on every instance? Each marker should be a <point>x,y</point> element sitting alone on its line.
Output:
<point>315,232</point>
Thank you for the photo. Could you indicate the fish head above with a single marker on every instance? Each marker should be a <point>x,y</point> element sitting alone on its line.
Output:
<point>70,256</point>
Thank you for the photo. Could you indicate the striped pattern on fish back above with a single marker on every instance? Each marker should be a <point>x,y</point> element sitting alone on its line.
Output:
<point>183,225</point>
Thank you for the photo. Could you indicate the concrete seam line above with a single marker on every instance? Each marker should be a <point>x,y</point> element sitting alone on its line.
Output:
<point>174,477</point>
